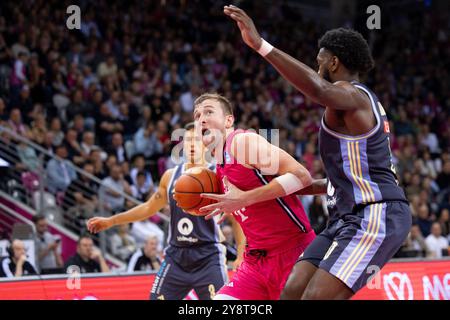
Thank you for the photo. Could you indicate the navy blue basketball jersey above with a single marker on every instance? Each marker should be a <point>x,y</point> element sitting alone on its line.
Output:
<point>359,168</point>
<point>186,230</point>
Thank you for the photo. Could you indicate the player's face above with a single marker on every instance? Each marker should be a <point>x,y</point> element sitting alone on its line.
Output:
<point>212,121</point>
<point>323,61</point>
<point>193,147</point>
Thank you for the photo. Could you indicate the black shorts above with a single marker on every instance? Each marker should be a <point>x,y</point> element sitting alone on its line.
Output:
<point>177,276</point>
<point>353,247</point>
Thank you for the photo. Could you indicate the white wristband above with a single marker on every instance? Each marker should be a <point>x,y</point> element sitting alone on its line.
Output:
<point>265,48</point>
<point>290,183</point>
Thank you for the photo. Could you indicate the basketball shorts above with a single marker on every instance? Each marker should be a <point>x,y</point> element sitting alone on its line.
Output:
<point>357,245</point>
<point>262,274</point>
<point>176,276</point>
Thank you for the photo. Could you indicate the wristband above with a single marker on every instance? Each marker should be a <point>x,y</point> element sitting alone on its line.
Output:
<point>265,48</point>
<point>290,183</point>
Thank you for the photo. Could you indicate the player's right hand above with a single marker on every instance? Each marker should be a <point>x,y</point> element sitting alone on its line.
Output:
<point>98,224</point>
<point>248,30</point>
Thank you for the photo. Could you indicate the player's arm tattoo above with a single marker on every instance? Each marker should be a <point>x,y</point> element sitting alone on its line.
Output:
<point>158,195</point>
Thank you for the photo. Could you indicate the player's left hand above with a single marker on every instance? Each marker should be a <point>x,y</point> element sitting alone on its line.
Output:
<point>234,199</point>
<point>248,30</point>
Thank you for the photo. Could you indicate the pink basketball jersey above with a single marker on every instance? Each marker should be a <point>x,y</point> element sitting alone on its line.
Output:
<point>270,225</point>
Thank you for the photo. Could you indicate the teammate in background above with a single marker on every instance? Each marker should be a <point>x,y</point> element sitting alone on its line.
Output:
<point>369,213</point>
<point>195,256</point>
<point>272,218</point>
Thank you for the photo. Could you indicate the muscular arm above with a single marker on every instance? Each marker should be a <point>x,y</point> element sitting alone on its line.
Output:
<point>270,160</point>
<point>317,187</point>
<point>340,95</point>
<point>149,208</point>
<point>143,211</point>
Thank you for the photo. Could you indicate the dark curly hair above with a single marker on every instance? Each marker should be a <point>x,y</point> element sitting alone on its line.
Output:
<point>350,47</point>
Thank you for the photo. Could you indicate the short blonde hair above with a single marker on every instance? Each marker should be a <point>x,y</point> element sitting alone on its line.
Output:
<point>226,105</point>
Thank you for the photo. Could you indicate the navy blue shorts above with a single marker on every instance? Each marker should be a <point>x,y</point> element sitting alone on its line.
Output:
<point>183,269</point>
<point>354,246</point>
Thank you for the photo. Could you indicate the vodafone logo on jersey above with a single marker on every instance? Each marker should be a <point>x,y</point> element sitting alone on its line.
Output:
<point>398,286</point>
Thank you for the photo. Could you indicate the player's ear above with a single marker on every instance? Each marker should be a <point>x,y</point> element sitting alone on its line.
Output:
<point>334,63</point>
<point>229,121</point>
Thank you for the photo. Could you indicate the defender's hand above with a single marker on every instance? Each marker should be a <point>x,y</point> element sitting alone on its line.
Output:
<point>98,224</point>
<point>248,30</point>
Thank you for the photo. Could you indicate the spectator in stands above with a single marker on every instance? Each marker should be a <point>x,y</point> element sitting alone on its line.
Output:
<point>443,178</point>
<point>106,125</point>
<point>16,264</point>
<point>56,129</point>
<point>28,157</point>
<point>415,245</point>
<point>80,199</point>
<point>60,173</point>
<point>39,129</point>
<point>146,141</point>
<point>122,243</point>
<point>112,189</point>
<point>436,243</point>
<point>147,258</point>
<point>48,247</point>
<point>139,166</point>
<point>444,221</point>
<point>16,124</point>
<point>424,220</point>
<point>117,148</point>
<point>74,150</point>
<point>18,75</point>
<point>140,190</point>
<point>142,230</point>
<point>88,259</point>
<point>88,143</point>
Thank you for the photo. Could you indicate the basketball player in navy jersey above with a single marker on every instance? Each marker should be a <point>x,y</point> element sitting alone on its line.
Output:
<point>195,256</point>
<point>369,213</point>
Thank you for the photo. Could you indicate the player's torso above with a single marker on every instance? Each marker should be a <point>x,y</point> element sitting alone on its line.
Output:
<point>186,230</point>
<point>359,168</point>
<point>267,224</point>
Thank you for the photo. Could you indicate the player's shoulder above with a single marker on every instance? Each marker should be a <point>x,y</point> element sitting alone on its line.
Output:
<point>246,137</point>
<point>167,175</point>
<point>345,85</point>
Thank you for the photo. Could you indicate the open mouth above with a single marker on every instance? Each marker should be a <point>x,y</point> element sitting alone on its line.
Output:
<point>205,132</point>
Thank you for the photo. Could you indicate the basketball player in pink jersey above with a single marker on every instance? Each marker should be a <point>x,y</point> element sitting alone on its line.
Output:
<point>273,219</point>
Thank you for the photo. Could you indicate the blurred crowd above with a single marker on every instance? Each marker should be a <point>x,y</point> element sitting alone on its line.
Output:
<point>108,96</point>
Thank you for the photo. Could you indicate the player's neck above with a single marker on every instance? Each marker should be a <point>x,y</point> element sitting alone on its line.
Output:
<point>347,77</point>
<point>189,165</point>
<point>227,133</point>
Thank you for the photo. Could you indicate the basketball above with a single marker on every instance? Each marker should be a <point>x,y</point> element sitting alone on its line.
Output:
<point>190,185</point>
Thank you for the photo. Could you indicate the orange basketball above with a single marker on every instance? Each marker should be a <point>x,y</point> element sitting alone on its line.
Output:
<point>190,185</point>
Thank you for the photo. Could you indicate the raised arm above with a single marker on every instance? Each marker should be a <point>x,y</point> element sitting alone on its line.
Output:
<point>143,211</point>
<point>340,95</point>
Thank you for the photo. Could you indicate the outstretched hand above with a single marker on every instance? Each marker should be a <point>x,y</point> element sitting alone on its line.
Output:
<point>98,224</point>
<point>248,30</point>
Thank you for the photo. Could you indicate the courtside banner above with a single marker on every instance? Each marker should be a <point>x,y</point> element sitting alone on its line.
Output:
<point>418,280</point>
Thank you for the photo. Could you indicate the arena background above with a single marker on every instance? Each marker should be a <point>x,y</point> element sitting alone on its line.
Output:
<point>118,87</point>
